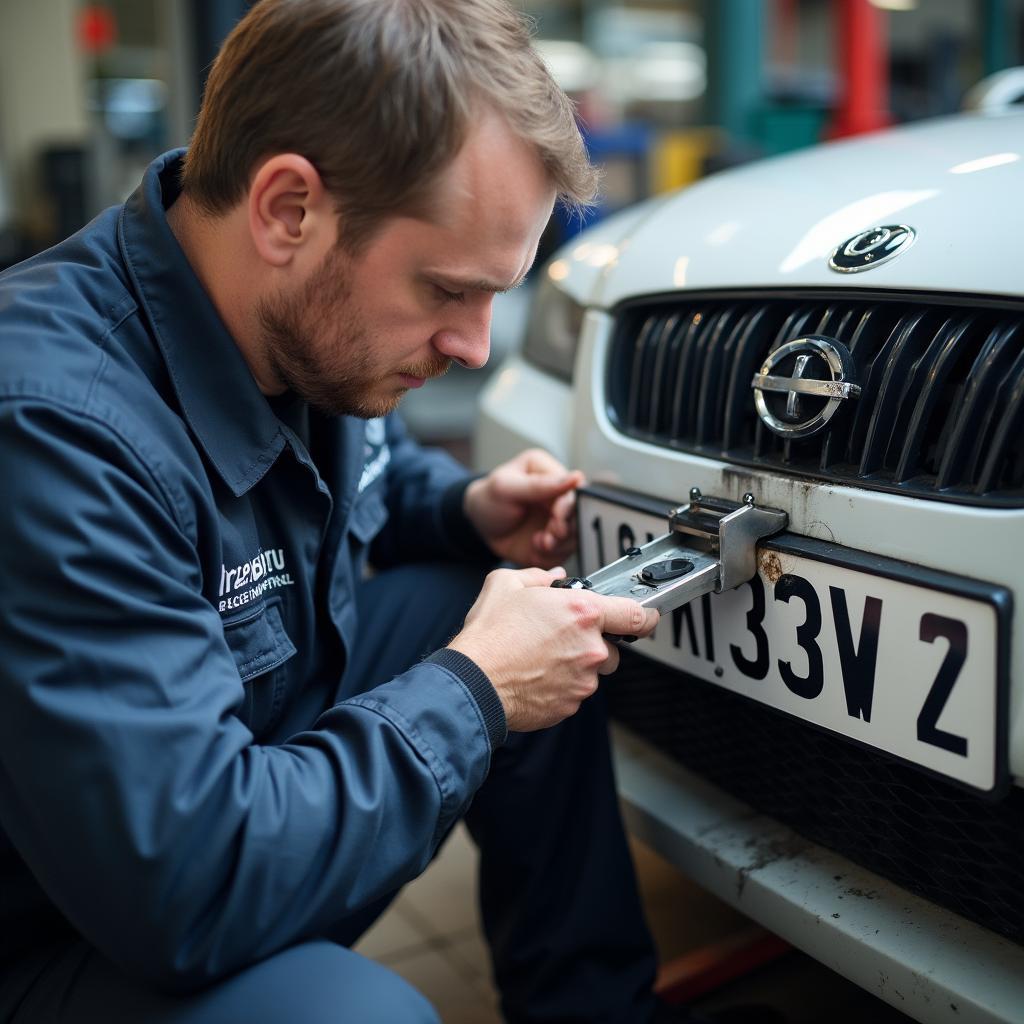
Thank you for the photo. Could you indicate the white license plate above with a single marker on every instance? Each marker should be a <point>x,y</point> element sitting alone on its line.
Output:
<point>872,653</point>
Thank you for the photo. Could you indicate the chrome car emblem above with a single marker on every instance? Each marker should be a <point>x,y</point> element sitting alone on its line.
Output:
<point>871,248</point>
<point>784,386</point>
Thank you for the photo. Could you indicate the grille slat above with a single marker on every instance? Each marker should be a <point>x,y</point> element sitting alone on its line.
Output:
<point>938,414</point>
<point>837,444</point>
<point>661,397</point>
<point>687,363</point>
<point>636,377</point>
<point>974,416</point>
<point>995,385</point>
<point>829,321</point>
<point>713,379</point>
<point>649,362</point>
<point>709,329</point>
<point>933,373</point>
<point>904,350</point>
<point>877,329</point>
<point>750,343</point>
<point>1007,433</point>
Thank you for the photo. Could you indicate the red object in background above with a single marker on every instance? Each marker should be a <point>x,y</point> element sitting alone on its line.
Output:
<point>709,968</point>
<point>864,67</point>
<point>97,29</point>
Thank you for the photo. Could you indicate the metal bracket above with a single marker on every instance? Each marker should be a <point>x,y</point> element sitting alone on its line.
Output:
<point>711,546</point>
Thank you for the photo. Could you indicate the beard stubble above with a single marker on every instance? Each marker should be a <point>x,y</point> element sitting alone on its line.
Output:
<point>320,348</point>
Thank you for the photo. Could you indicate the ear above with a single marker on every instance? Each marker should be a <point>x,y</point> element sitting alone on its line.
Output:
<point>290,211</point>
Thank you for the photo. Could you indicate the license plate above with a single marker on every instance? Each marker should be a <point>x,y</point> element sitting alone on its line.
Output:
<point>896,657</point>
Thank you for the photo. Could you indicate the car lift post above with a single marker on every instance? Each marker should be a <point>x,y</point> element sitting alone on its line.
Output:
<point>864,63</point>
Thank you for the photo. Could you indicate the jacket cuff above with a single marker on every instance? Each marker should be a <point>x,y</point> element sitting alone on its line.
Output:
<point>458,527</point>
<point>475,680</point>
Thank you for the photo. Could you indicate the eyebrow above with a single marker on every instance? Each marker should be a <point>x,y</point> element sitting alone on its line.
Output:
<point>474,284</point>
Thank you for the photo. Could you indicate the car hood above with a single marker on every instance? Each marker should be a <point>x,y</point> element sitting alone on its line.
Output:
<point>957,181</point>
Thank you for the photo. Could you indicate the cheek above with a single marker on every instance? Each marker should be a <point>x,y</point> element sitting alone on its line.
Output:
<point>395,313</point>
<point>403,326</point>
<point>384,309</point>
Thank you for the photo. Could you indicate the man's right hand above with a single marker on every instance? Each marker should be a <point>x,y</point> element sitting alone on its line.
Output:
<point>542,647</point>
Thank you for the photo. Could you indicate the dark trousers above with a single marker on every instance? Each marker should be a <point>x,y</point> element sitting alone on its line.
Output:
<point>557,890</point>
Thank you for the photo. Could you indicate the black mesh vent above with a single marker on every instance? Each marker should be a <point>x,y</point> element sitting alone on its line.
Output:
<point>930,837</point>
<point>941,413</point>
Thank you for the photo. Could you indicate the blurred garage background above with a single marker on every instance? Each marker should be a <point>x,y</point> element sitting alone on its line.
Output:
<point>667,91</point>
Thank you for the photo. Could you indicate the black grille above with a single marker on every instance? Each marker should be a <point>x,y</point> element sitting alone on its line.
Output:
<point>940,415</point>
<point>931,837</point>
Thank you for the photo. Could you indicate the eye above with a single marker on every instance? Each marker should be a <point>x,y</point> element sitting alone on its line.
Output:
<point>447,296</point>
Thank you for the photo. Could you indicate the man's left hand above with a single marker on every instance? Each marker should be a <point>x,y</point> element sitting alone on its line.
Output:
<point>525,509</point>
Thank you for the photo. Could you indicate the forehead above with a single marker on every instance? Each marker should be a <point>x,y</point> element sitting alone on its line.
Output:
<point>482,220</point>
<point>496,174</point>
<point>496,192</point>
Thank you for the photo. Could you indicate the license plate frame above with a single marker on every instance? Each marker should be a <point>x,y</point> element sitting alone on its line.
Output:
<point>985,770</point>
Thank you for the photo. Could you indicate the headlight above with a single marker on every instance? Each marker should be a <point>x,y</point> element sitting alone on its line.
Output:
<point>553,328</point>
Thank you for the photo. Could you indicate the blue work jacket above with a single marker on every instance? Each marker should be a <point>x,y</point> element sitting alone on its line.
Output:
<point>177,579</point>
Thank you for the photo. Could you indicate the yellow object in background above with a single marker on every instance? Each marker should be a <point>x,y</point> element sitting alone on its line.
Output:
<point>678,157</point>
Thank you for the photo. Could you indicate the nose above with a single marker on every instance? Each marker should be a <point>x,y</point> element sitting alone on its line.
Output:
<point>468,342</point>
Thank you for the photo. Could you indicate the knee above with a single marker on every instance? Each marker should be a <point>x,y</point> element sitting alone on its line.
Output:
<point>322,983</point>
<point>389,999</point>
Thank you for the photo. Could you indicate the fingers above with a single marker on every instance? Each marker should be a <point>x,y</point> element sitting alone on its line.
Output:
<point>546,541</point>
<point>558,537</point>
<point>564,508</point>
<point>544,553</point>
<point>531,488</point>
<point>611,663</point>
<point>563,516</point>
<point>624,617</point>
<point>545,577</point>
<point>535,475</point>
<point>537,460</point>
<point>527,577</point>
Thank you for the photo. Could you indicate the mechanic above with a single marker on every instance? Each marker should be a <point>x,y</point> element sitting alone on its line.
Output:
<point>225,746</point>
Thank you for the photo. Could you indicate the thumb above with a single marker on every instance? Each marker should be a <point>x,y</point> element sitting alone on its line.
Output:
<point>621,615</point>
<point>539,577</point>
<point>505,581</point>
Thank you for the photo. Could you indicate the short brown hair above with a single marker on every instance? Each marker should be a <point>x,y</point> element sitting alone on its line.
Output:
<point>378,95</point>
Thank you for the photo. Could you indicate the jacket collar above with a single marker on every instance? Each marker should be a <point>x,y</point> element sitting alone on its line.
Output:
<point>219,397</point>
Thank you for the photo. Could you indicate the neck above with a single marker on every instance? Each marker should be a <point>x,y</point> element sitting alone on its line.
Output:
<point>217,251</point>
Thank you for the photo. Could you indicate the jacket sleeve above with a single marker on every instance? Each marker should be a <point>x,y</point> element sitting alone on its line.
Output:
<point>169,839</point>
<point>425,487</point>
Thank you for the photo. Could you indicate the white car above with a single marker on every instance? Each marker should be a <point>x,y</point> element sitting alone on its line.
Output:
<point>835,747</point>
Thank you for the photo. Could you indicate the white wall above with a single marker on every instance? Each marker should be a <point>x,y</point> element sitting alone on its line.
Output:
<point>41,93</point>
